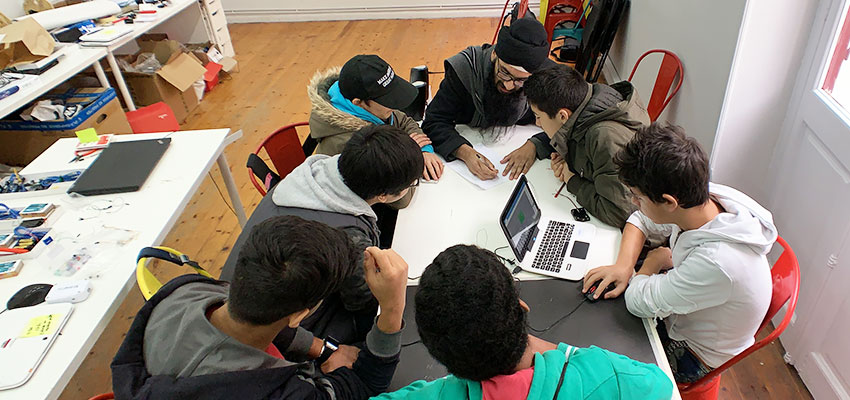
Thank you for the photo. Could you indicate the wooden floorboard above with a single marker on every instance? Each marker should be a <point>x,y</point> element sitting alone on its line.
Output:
<point>276,62</point>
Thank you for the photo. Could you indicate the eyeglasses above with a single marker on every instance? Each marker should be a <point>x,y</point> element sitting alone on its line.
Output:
<point>506,76</point>
<point>415,183</point>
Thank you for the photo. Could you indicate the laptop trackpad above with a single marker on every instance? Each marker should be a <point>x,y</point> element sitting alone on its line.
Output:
<point>579,250</point>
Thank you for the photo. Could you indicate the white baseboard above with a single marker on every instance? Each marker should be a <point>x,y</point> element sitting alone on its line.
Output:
<point>487,10</point>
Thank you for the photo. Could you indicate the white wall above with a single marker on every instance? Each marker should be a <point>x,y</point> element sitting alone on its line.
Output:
<point>327,10</point>
<point>767,61</point>
<point>704,35</point>
<point>12,8</point>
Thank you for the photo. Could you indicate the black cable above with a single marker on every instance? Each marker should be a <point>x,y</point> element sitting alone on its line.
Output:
<point>583,300</point>
<point>414,278</point>
<point>417,341</point>
<point>221,194</point>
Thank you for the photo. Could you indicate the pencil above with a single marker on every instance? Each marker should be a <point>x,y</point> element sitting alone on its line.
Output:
<point>560,189</point>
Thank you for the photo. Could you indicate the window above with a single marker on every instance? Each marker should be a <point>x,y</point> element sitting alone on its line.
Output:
<point>837,79</point>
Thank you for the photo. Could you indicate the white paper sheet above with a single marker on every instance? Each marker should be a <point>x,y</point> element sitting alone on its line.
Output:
<point>462,170</point>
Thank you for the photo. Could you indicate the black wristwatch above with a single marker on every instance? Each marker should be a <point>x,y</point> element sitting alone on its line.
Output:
<point>329,346</point>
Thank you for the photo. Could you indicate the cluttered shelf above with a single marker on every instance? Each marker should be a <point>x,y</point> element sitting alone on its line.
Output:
<point>38,75</point>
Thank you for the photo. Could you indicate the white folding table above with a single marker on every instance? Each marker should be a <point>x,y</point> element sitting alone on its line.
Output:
<point>143,218</point>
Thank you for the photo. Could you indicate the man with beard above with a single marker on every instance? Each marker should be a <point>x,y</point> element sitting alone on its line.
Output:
<point>482,88</point>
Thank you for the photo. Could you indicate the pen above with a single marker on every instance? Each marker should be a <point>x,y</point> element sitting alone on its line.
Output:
<point>560,189</point>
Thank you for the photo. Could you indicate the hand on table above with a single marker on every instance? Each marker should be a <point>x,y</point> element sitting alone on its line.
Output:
<point>619,275</point>
<point>479,165</point>
<point>657,260</point>
<point>520,160</point>
<point>433,167</point>
<point>560,168</point>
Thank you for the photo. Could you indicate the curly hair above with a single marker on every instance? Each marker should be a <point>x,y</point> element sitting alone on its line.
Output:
<point>468,314</point>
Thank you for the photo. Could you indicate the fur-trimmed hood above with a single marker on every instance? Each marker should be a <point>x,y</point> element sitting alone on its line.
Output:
<point>325,119</point>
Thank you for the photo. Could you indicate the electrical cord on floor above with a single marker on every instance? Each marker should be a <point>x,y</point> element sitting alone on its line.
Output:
<point>417,341</point>
<point>221,194</point>
<point>517,269</point>
<point>583,300</point>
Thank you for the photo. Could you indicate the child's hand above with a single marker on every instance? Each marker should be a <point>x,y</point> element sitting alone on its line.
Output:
<point>421,139</point>
<point>344,356</point>
<point>386,275</point>
<point>433,167</point>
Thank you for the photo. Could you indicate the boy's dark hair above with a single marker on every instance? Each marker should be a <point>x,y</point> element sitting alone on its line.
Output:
<point>380,159</point>
<point>468,314</point>
<point>288,264</point>
<point>554,88</point>
<point>661,159</point>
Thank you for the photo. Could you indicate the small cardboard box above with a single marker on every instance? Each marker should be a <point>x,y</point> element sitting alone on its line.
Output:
<point>172,84</point>
<point>24,41</point>
<point>22,141</point>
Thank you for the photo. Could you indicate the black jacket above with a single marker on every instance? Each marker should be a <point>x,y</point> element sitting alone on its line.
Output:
<point>369,376</point>
<point>453,105</point>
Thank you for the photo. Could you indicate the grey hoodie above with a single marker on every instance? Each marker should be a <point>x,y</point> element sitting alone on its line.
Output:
<point>719,289</point>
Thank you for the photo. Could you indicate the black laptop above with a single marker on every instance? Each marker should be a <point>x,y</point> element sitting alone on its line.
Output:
<point>121,167</point>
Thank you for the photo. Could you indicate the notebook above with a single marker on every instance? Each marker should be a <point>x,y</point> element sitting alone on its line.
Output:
<point>121,167</point>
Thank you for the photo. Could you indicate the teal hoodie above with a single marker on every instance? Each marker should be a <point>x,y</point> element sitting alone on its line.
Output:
<point>590,373</point>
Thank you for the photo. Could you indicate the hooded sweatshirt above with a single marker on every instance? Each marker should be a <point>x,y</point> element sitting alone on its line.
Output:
<point>719,289</point>
<point>567,373</point>
<point>331,126</point>
<point>315,191</point>
<point>172,351</point>
<point>601,125</point>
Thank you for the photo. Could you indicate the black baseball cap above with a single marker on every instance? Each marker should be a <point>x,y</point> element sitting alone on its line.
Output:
<point>368,77</point>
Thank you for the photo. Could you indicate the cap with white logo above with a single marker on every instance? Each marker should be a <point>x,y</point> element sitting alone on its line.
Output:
<point>368,77</point>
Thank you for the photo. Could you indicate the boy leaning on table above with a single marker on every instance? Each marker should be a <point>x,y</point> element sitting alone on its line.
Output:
<point>584,126</point>
<point>471,319</point>
<point>717,285</point>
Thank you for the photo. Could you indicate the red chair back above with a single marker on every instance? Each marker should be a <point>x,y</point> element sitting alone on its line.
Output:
<point>671,68</point>
<point>105,396</point>
<point>284,150</point>
<point>786,287</point>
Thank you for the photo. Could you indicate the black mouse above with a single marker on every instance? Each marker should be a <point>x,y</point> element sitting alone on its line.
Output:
<point>592,289</point>
<point>580,214</point>
<point>29,296</point>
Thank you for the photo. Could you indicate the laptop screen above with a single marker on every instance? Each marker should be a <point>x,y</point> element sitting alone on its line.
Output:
<point>520,217</point>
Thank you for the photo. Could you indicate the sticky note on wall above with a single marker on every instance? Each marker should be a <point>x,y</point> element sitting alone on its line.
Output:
<point>87,135</point>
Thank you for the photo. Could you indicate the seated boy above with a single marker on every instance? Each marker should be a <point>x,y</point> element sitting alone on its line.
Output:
<point>365,91</point>
<point>199,338</point>
<point>378,165</point>
<point>717,287</point>
<point>471,319</point>
<point>584,126</point>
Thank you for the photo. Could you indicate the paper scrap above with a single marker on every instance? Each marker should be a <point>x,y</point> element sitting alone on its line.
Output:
<point>40,326</point>
<point>460,167</point>
<point>87,135</point>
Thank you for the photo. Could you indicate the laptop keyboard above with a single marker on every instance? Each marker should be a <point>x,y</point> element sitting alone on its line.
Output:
<point>551,253</point>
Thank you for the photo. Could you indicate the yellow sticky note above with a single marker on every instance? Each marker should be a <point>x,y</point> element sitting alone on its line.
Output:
<point>87,135</point>
<point>40,326</point>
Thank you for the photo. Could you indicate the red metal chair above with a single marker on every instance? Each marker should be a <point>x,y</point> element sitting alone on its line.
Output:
<point>105,396</point>
<point>671,68</point>
<point>561,12</point>
<point>284,150</point>
<point>786,287</point>
<point>522,8</point>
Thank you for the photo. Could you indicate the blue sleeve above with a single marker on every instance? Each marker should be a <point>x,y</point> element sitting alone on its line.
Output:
<point>428,148</point>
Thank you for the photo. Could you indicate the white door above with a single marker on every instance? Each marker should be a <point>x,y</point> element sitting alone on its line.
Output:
<point>810,199</point>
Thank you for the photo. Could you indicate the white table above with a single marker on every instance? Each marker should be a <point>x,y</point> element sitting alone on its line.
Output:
<point>150,213</point>
<point>454,211</point>
<point>75,60</point>
<point>139,29</point>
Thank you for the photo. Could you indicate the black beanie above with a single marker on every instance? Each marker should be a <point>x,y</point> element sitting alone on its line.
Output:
<point>523,44</point>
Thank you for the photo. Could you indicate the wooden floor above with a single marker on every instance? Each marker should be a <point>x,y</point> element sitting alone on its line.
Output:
<point>276,62</point>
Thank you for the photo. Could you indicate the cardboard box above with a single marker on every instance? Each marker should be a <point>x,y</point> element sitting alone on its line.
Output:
<point>172,84</point>
<point>24,41</point>
<point>22,141</point>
